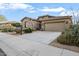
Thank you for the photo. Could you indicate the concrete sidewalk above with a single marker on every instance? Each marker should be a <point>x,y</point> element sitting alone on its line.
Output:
<point>16,46</point>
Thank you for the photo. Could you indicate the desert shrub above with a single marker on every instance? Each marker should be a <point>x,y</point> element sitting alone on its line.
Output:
<point>70,36</point>
<point>28,30</point>
<point>18,27</point>
<point>8,28</point>
<point>65,38</point>
<point>18,30</point>
<point>4,30</point>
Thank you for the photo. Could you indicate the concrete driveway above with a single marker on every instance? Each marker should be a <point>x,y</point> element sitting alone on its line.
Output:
<point>44,37</point>
<point>15,46</point>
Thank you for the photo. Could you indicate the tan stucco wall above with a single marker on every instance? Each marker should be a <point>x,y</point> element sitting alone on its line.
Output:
<point>34,24</point>
<point>23,22</point>
<point>56,25</point>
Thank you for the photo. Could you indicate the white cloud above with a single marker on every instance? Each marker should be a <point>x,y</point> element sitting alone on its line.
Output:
<point>74,14</point>
<point>69,13</point>
<point>19,6</point>
<point>32,11</point>
<point>47,9</point>
<point>64,13</point>
<point>39,1</point>
<point>15,6</point>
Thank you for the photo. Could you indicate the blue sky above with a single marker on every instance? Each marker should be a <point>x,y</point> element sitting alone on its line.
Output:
<point>16,12</point>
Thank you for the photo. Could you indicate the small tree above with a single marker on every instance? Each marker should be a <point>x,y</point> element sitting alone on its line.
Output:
<point>2,18</point>
<point>71,36</point>
<point>74,14</point>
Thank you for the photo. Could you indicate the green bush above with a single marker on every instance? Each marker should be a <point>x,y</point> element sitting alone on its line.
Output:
<point>70,37</point>
<point>4,30</point>
<point>16,24</point>
<point>28,30</point>
<point>7,30</point>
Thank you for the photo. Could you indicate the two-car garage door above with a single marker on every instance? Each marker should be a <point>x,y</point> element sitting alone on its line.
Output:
<point>55,26</point>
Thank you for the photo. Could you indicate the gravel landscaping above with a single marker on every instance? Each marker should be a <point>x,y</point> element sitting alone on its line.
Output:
<point>68,47</point>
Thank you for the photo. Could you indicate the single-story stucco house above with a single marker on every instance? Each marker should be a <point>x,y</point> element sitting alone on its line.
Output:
<point>48,23</point>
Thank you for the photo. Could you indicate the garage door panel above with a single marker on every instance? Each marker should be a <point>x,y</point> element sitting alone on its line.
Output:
<point>54,26</point>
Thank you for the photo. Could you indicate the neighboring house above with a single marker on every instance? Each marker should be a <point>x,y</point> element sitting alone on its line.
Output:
<point>29,22</point>
<point>48,23</point>
<point>3,23</point>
